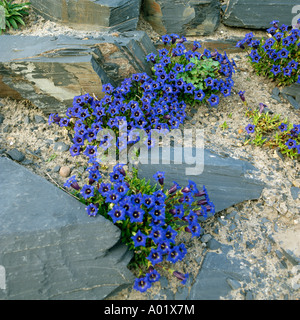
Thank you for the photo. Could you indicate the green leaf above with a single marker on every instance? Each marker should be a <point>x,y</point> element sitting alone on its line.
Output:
<point>20,20</point>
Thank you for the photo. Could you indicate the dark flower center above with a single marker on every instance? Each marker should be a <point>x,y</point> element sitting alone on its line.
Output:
<point>136,214</point>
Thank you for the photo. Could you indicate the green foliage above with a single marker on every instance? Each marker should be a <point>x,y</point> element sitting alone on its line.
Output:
<point>202,69</point>
<point>14,13</point>
<point>274,132</point>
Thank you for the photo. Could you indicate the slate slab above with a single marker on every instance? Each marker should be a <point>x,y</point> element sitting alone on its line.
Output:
<point>292,94</point>
<point>50,248</point>
<point>51,71</point>
<point>183,17</point>
<point>219,274</point>
<point>257,14</point>
<point>227,180</point>
<point>117,15</point>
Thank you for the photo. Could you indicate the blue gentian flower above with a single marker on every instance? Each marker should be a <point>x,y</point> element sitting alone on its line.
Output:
<point>137,199</point>
<point>159,176</point>
<point>283,53</point>
<point>117,213</point>
<point>256,58</point>
<point>153,276</point>
<point>213,100</point>
<point>182,251</point>
<point>107,88</point>
<point>170,234</point>
<point>164,246</point>
<point>286,42</point>
<point>293,64</point>
<point>278,36</point>
<point>282,127</point>
<point>179,211</point>
<point>155,256</point>
<point>121,188</point>
<point>276,69</point>
<point>136,214</point>
<point>163,52</point>
<point>157,235</point>
<point>151,57</point>
<point>90,151</point>
<point>250,128</point>
<point>174,255</point>
<point>178,67</point>
<point>166,39</point>
<point>95,175</point>
<point>142,284</point>
<point>194,229</point>
<point>284,27</point>
<point>291,144</point>
<point>139,239</point>
<point>72,182</point>
<point>113,197</point>
<point>157,212</point>
<point>209,81</point>
<point>91,210</point>
<point>287,71</point>
<point>87,191</point>
<point>75,150</point>
<point>196,45</point>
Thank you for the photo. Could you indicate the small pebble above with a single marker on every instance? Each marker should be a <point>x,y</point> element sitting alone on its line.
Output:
<point>39,119</point>
<point>64,171</point>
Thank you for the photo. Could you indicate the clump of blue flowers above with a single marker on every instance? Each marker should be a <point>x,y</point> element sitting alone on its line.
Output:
<point>150,217</point>
<point>195,77</point>
<point>277,56</point>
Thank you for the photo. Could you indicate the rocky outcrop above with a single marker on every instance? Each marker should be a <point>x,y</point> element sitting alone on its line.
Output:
<point>118,15</point>
<point>50,248</point>
<point>256,14</point>
<point>50,71</point>
<point>184,17</point>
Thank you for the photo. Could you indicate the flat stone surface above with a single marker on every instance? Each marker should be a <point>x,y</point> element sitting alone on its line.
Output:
<point>50,248</point>
<point>211,282</point>
<point>227,180</point>
<point>257,14</point>
<point>16,155</point>
<point>289,242</point>
<point>119,15</point>
<point>51,71</point>
<point>182,17</point>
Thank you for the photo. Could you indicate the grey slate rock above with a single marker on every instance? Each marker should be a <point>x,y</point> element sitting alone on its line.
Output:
<point>225,179</point>
<point>293,91</point>
<point>38,119</point>
<point>50,248</point>
<point>61,146</point>
<point>211,282</point>
<point>16,155</point>
<point>51,72</point>
<point>1,118</point>
<point>257,14</point>
<point>182,17</point>
<point>295,192</point>
<point>234,284</point>
<point>108,15</point>
<point>213,244</point>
